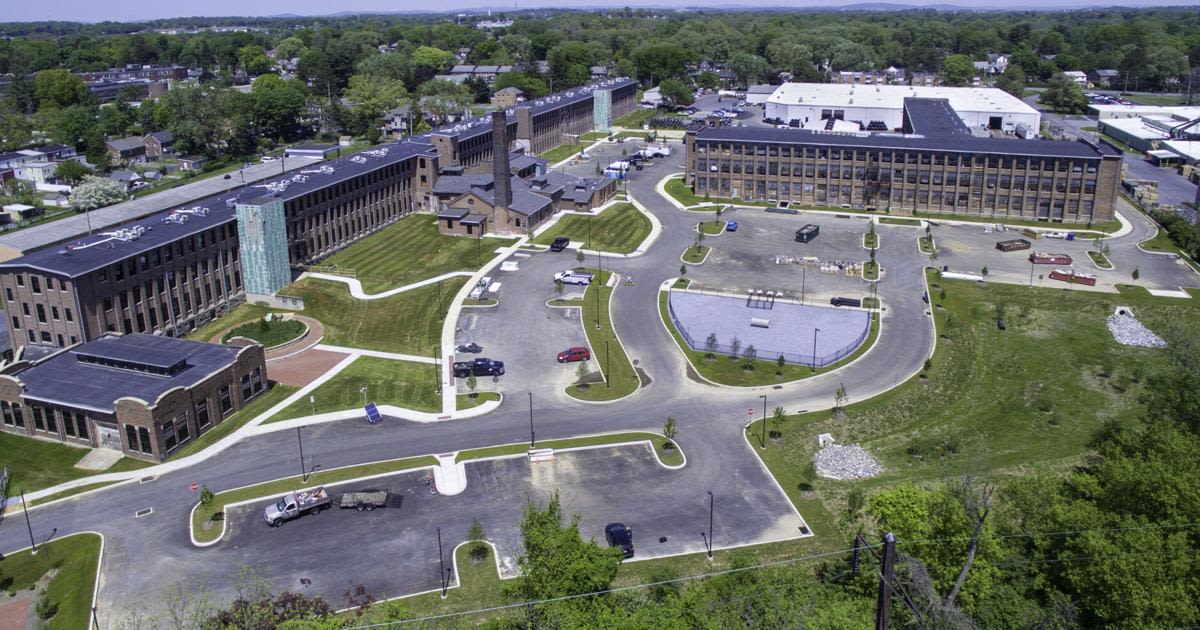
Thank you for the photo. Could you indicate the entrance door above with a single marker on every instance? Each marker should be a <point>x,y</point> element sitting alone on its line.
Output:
<point>108,436</point>
<point>995,122</point>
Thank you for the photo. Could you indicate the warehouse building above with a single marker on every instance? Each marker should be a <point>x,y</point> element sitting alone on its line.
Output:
<point>881,107</point>
<point>142,395</point>
<point>938,168</point>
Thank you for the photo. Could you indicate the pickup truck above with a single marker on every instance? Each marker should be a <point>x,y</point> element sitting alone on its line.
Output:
<point>573,277</point>
<point>293,504</point>
<point>478,367</point>
<point>363,500</point>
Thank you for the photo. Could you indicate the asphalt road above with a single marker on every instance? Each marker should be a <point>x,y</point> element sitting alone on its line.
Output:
<point>145,556</point>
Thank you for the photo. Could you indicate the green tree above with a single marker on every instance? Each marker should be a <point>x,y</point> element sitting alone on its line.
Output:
<point>748,68</point>
<point>570,64</point>
<point>708,80</point>
<point>371,97</point>
<point>1012,80</point>
<point>472,383</point>
<point>253,59</point>
<point>432,58</point>
<point>289,48</point>
<point>1136,274</point>
<point>532,86</point>
<point>71,171</point>
<point>670,430</point>
<point>478,549</point>
<point>442,98</point>
<point>96,192</point>
<point>59,88</point>
<point>1064,95</point>
<point>677,92</point>
<point>957,70</point>
<point>840,397</point>
<point>16,131</point>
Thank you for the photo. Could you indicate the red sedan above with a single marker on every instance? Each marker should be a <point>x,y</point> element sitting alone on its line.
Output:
<point>577,353</point>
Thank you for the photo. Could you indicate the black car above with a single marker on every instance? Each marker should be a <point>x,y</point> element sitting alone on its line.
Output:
<point>620,536</point>
<point>471,347</point>
<point>478,367</point>
<point>560,243</point>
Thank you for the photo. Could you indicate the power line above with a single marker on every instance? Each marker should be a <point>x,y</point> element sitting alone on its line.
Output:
<point>1059,533</point>
<point>620,589</point>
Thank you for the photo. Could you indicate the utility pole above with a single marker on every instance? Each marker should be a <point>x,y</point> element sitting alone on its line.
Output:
<point>887,573</point>
<point>764,420</point>
<point>531,441</point>
<point>607,366</point>
<point>300,441</point>
<point>25,507</point>
<point>442,560</point>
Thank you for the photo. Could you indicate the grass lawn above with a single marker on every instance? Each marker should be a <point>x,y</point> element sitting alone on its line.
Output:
<point>900,221</point>
<point>1104,226</point>
<point>561,152</point>
<point>400,383</point>
<point>242,313</point>
<point>926,244</point>
<point>684,195</point>
<point>593,136</point>
<point>36,464</point>
<point>1155,99</point>
<point>268,333</point>
<point>682,283</point>
<point>619,229</point>
<point>411,250</point>
<point>696,254</point>
<point>726,371</point>
<point>1013,401</point>
<point>467,401</point>
<point>410,322</point>
<point>713,227</point>
<point>622,379</point>
<point>1100,259</point>
<point>670,457</point>
<point>74,558</point>
<point>258,406</point>
<point>871,240</point>
<point>870,270</point>
<point>636,118</point>
<point>478,587</point>
<point>206,521</point>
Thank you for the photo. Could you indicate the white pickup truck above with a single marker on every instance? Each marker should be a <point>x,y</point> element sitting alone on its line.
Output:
<point>570,276</point>
<point>293,504</point>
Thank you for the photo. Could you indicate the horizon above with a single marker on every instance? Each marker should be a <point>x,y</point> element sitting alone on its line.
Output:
<point>136,11</point>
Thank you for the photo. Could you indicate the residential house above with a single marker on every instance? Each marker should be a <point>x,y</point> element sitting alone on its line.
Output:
<point>126,150</point>
<point>1106,77</point>
<point>191,162</point>
<point>507,97</point>
<point>128,179</point>
<point>159,144</point>
<point>38,172</point>
<point>1078,76</point>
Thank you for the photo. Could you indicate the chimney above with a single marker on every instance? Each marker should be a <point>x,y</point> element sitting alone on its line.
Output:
<point>502,188</point>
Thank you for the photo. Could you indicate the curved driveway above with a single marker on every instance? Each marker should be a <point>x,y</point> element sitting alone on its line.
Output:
<point>144,556</point>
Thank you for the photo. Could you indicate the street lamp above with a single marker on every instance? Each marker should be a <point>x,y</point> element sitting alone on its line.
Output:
<point>814,361</point>
<point>444,574</point>
<point>709,541</point>
<point>764,421</point>
<point>300,441</point>
<point>25,506</point>
<point>607,366</point>
<point>531,442</point>
<point>363,390</point>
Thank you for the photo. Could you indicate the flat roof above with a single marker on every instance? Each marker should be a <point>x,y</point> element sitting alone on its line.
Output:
<point>933,117</point>
<point>1140,128</point>
<point>1188,149</point>
<point>962,144</point>
<point>66,380</point>
<point>892,97</point>
<point>1183,113</point>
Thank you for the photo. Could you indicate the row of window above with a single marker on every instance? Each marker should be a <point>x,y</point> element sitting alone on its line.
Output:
<point>901,157</point>
<point>35,285</point>
<point>169,252</point>
<point>46,420</point>
<point>177,431</point>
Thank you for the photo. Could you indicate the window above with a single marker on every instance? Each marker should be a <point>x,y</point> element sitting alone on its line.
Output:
<point>35,283</point>
<point>20,280</point>
<point>8,294</point>
<point>107,304</point>
<point>7,410</point>
<point>226,400</point>
<point>256,381</point>
<point>67,313</point>
<point>247,392</point>
<point>18,416</point>
<point>68,424</point>
<point>81,425</point>
<point>54,313</point>
<point>202,419</point>
<point>39,422</point>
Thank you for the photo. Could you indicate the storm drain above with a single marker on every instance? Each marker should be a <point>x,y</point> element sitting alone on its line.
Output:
<point>148,479</point>
<point>145,512</point>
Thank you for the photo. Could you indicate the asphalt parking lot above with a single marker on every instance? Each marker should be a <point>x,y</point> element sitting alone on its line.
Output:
<point>746,258</point>
<point>394,550</point>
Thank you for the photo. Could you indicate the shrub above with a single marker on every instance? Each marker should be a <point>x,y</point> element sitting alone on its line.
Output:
<point>46,608</point>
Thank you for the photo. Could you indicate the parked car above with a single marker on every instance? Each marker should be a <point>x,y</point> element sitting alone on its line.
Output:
<point>479,367</point>
<point>571,276</point>
<point>731,226</point>
<point>560,243</point>
<point>268,158</point>
<point>574,354</point>
<point>248,165</point>
<point>620,536</point>
<point>293,504</point>
<point>469,347</point>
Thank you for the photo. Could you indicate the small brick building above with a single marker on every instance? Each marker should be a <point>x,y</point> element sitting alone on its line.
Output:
<point>144,395</point>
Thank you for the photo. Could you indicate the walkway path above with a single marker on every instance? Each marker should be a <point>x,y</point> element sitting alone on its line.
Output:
<point>356,289</point>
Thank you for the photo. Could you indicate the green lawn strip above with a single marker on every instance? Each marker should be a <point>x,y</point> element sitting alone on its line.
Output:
<point>635,118</point>
<point>870,241</point>
<point>623,380</point>
<point>1106,227</point>
<point>670,457</point>
<point>926,244</point>
<point>684,195</point>
<point>682,283</point>
<point>713,227</point>
<point>35,464</point>
<point>900,221</point>
<point>561,303</point>
<point>388,382</point>
<point>213,514</point>
<point>562,152</point>
<point>727,371</point>
<point>240,314</point>
<point>411,250</point>
<point>269,334</point>
<point>480,302</point>
<point>257,407</point>
<point>409,323</point>
<point>478,587</point>
<point>695,255</point>
<point>1012,402</point>
<point>1100,259</point>
<point>1155,99</point>
<point>618,229</point>
<point>75,559</point>
<point>870,270</point>
<point>648,136</point>
<point>468,401</point>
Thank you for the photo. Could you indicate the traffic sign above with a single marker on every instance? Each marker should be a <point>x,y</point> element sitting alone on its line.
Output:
<point>195,487</point>
<point>749,411</point>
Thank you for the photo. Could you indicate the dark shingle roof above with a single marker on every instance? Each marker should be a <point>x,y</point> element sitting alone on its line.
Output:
<point>69,378</point>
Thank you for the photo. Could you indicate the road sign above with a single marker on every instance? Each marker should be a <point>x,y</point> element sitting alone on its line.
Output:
<point>373,415</point>
<point>750,411</point>
<point>195,487</point>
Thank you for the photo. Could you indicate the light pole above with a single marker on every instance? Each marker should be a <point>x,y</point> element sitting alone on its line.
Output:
<point>709,540</point>
<point>531,441</point>
<point>607,365</point>
<point>442,560</point>
<point>814,361</point>
<point>25,506</point>
<point>300,441</point>
<point>764,421</point>
<point>803,281</point>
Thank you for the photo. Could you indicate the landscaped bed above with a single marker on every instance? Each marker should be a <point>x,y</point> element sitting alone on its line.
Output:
<point>712,228</point>
<point>73,559</point>
<point>900,221</point>
<point>696,254</point>
<point>400,383</point>
<point>471,400</point>
<point>620,228</point>
<point>269,333</point>
<point>411,250</point>
<point>622,379</point>
<point>1100,259</point>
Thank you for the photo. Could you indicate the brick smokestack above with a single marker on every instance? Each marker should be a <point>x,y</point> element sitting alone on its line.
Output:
<point>502,188</point>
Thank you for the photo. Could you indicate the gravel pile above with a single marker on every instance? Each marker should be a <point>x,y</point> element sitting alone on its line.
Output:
<point>851,461</point>
<point>1128,331</point>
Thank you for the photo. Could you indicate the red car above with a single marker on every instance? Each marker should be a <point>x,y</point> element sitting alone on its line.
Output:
<point>577,353</point>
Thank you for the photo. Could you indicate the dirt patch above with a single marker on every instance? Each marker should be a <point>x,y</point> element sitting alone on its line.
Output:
<point>16,613</point>
<point>304,367</point>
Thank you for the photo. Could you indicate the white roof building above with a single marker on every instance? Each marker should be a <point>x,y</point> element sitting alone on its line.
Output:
<point>979,108</point>
<point>1104,112</point>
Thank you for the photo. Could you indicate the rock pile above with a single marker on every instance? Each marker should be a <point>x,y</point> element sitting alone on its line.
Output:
<point>850,461</point>
<point>1128,331</point>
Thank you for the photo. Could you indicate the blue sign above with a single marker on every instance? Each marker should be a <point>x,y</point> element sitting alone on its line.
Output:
<point>373,415</point>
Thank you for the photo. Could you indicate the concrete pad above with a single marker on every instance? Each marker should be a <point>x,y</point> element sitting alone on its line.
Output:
<point>449,477</point>
<point>99,459</point>
<point>1169,293</point>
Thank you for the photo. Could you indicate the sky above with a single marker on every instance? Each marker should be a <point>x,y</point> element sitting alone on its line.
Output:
<point>134,10</point>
